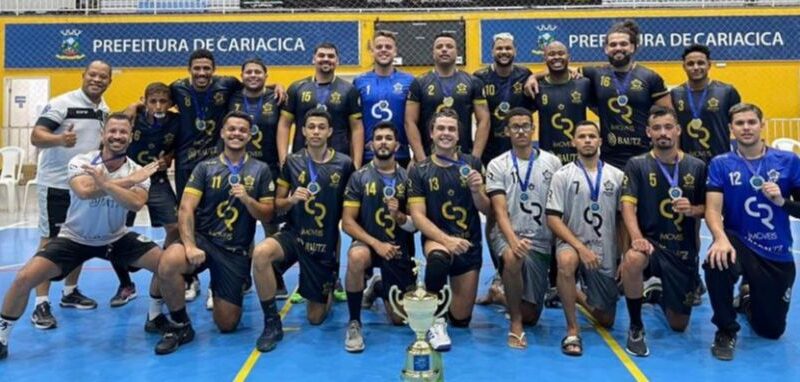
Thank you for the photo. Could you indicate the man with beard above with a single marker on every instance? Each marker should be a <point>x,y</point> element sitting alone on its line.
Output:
<point>316,177</point>
<point>446,87</point>
<point>104,186</point>
<point>582,211</point>
<point>382,234</point>
<point>748,216</point>
<point>224,197</point>
<point>446,193</point>
<point>324,91</point>
<point>517,183</point>
<point>663,199</point>
<point>383,92</point>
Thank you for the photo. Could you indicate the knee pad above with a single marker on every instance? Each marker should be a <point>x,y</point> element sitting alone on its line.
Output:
<point>437,270</point>
<point>459,323</point>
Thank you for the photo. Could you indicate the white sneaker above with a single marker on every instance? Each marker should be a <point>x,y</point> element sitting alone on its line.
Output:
<point>438,337</point>
<point>354,340</point>
<point>210,301</point>
<point>193,290</point>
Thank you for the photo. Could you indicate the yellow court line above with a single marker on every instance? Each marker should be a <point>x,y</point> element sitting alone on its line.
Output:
<point>241,376</point>
<point>615,347</point>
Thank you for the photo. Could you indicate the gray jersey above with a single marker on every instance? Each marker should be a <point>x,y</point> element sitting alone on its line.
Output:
<point>570,198</point>
<point>98,221</point>
<point>527,217</point>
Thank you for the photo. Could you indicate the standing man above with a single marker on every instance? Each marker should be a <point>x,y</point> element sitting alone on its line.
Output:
<point>104,185</point>
<point>324,91</point>
<point>69,125</point>
<point>748,216</point>
<point>446,87</point>
<point>446,192</point>
<point>518,182</point>
<point>383,94</point>
<point>583,212</point>
<point>663,199</point>
<point>382,234</point>
<point>224,198</point>
<point>317,177</point>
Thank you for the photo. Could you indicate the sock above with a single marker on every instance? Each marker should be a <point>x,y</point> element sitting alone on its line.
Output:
<point>179,316</point>
<point>68,289</point>
<point>354,305</point>
<point>122,274</point>
<point>156,302</point>
<point>436,271</point>
<point>42,299</point>
<point>270,309</point>
<point>377,288</point>
<point>635,312</point>
<point>6,323</point>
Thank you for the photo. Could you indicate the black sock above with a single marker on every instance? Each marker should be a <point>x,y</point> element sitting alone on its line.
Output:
<point>122,274</point>
<point>9,318</point>
<point>635,312</point>
<point>377,288</point>
<point>436,271</point>
<point>179,316</point>
<point>354,305</point>
<point>188,278</point>
<point>270,309</point>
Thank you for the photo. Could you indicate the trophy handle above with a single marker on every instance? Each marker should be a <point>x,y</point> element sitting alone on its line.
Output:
<point>445,297</point>
<point>395,301</point>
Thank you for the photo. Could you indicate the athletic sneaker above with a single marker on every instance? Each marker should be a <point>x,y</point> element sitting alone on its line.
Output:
<point>281,293</point>
<point>354,341</point>
<point>192,289</point>
<point>175,336</point>
<point>3,350</point>
<point>159,325</point>
<point>652,291</point>
<point>124,295</point>
<point>42,318</point>
<point>339,295</point>
<point>636,345</point>
<point>741,303</point>
<point>724,345</point>
<point>210,300</point>
<point>551,299</point>
<point>297,298</point>
<point>247,288</point>
<point>272,334</point>
<point>438,337</point>
<point>369,297</point>
<point>77,300</point>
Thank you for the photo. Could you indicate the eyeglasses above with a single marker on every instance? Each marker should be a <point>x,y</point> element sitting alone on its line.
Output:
<point>524,128</point>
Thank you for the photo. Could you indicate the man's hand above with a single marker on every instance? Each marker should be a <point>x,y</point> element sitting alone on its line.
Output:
<point>144,173</point>
<point>475,181</point>
<point>457,245</point>
<point>682,206</point>
<point>718,254</point>
<point>195,256</point>
<point>520,247</point>
<point>642,245</point>
<point>300,194</point>
<point>69,138</point>
<point>773,192</point>
<point>386,251</point>
<point>589,259</point>
<point>239,192</point>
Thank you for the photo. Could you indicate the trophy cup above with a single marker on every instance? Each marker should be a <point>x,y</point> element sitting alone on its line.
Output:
<point>419,308</point>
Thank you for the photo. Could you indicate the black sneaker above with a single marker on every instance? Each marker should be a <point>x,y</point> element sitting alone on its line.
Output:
<point>269,338</point>
<point>724,345</point>
<point>77,300</point>
<point>159,325</point>
<point>175,336</point>
<point>3,351</point>
<point>42,318</point>
<point>697,295</point>
<point>124,295</point>
<point>652,290</point>
<point>551,299</point>
<point>636,345</point>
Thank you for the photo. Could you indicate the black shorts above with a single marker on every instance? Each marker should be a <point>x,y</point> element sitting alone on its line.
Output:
<point>398,271</point>
<point>53,206</point>
<point>162,205</point>
<point>318,273</point>
<point>678,278</point>
<point>472,260</point>
<point>68,255</point>
<point>229,270</point>
<point>181,178</point>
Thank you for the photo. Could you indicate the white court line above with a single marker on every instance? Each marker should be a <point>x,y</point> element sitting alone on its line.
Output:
<point>12,225</point>
<point>4,267</point>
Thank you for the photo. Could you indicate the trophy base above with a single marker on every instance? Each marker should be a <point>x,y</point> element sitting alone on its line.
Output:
<point>423,364</point>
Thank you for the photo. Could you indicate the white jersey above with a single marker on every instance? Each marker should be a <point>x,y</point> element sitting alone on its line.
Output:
<point>570,198</point>
<point>527,216</point>
<point>72,108</point>
<point>98,221</point>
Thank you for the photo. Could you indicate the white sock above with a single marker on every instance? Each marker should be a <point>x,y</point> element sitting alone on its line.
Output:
<point>155,308</point>
<point>5,329</point>
<point>68,289</point>
<point>41,299</point>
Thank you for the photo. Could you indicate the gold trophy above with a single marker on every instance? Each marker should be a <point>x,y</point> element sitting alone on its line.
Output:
<point>419,308</point>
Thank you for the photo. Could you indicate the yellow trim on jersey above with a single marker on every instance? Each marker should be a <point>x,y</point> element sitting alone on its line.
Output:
<point>352,203</point>
<point>355,116</point>
<point>192,191</point>
<point>283,183</point>
<point>222,158</point>
<point>629,199</point>
<point>681,154</point>
<point>266,199</point>
<point>480,102</point>
<point>287,113</point>
<point>416,200</point>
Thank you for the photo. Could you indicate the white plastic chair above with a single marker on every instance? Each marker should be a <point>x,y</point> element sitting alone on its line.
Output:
<point>28,185</point>
<point>12,171</point>
<point>786,144</point>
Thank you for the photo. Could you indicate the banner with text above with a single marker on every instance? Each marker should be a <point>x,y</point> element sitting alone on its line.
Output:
<point>169,44</point>
<point>730,38</point>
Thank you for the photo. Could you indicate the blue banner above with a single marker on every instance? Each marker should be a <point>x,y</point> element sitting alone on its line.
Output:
<point>169,44</point>
<point>730,38</point>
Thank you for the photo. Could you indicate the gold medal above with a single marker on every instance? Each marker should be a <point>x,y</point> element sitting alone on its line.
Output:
<point>448,101</point>
<point>695,123</point>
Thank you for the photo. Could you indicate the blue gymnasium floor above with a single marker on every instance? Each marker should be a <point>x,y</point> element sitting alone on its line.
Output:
<point>110,344</point>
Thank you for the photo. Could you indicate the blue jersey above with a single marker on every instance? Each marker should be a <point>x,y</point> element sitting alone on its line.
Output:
<point>384,99</point>
<point>762,226</point>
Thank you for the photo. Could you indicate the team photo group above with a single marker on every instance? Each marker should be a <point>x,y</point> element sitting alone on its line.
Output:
<point>576,214</point>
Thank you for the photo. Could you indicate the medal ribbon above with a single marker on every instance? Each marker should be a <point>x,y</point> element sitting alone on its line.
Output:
<point>504,86</point>
<point>234,169</point>
<point>622,88</point>
<point>524,184</point>
<point>458,162</point>
<point>99,158</point>
<point>447,92</point>
<point>594,188</point>
<point>696,108</point>
<point>322,93</point>
<point>200,108</point>
<point>672,180</point>
<point>757,170</point>
<point>249,110</point>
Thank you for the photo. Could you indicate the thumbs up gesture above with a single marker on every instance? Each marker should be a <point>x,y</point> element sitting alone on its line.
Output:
<point>69,137</point>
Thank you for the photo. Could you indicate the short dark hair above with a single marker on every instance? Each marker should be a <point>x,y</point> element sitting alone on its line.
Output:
<point>444,113</point>
<point>385,33</point>
<point>119,116</point>
<point>240,115</point>
<point>445,34</point>
<point>104,62</point>
<point>319,112</point>
<point>519,111</point>
<point>628,27</point>
<point>384,125</point>
<point>660,111</point>
<point>743,107</point>
<point>255,60</point>
<point>202,53</point>
<point>156,87</point>
<point>700,48</point>
<point>587,122</point>
<point>326,45</point>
